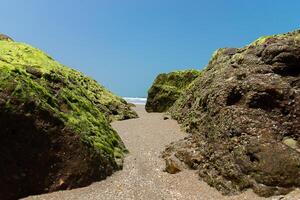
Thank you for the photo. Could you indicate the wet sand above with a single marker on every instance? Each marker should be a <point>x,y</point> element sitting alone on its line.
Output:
<point>143,176</point>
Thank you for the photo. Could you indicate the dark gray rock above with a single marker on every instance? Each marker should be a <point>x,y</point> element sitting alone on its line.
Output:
<point>239,113</point>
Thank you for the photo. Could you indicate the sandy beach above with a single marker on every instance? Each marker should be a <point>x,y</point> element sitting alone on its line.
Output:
<point>143,176</point>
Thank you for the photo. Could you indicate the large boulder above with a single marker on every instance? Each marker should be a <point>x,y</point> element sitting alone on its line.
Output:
<point>243,116</point>
<point>166,89</point>
<point>54,121</point>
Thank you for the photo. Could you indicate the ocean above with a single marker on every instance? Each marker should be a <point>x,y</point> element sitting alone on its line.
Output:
<point>136,100</point>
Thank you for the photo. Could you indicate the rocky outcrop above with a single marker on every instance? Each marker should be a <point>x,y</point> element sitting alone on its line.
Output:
<point>243,116</point>
<point>167,88</point>
<point>54,122</point>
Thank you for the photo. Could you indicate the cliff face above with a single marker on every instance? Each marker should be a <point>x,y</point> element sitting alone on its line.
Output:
<point>54,121</point>
<point>243,116</point>
<point>167,88</point>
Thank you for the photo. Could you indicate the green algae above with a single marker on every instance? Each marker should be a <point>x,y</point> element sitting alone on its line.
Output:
<point>263,39</point>
<point>29,75</point>
<point>167,87</point>
<point>178,79</point>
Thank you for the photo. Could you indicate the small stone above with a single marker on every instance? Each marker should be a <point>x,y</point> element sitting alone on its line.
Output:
<point>34,72</point>
<point>290,142</point>
<point>173,165</point>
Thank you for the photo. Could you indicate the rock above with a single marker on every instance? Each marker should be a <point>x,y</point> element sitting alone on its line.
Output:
<point>167,88</point>
<point>5,38</point>
<point>290,142</point>
<point>131,104</point>
<point>181,157</point>
<point>238,114</point>
<point>54,121</point>
<point>173,165</point>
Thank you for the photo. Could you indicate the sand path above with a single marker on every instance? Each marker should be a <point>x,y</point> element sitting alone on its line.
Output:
<point>143,176</point>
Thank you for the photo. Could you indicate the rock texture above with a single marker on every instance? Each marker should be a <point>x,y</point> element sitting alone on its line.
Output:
<point>54,122</point>
<point>167,88</point>
<point>243,116</point>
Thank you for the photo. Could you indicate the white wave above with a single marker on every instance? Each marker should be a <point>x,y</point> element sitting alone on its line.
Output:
<point>136,100</point>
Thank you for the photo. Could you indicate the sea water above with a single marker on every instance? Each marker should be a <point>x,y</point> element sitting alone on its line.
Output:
<point>136,100</point>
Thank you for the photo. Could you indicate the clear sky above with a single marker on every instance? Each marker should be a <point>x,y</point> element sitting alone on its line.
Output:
<point>124,44</point>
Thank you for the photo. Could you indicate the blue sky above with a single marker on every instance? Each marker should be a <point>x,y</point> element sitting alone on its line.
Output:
<point>124,44</point>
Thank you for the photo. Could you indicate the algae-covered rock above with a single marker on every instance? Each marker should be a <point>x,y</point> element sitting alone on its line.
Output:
<point>54,121</point>
<point>239,113</point>
<point>167,88</point>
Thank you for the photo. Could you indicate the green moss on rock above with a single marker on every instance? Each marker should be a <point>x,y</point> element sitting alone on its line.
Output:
<point>239,113</point>
<point>167,88</point>
<point>70,111</point>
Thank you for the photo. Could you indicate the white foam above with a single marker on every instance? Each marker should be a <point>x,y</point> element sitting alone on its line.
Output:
<point>136,100</point>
